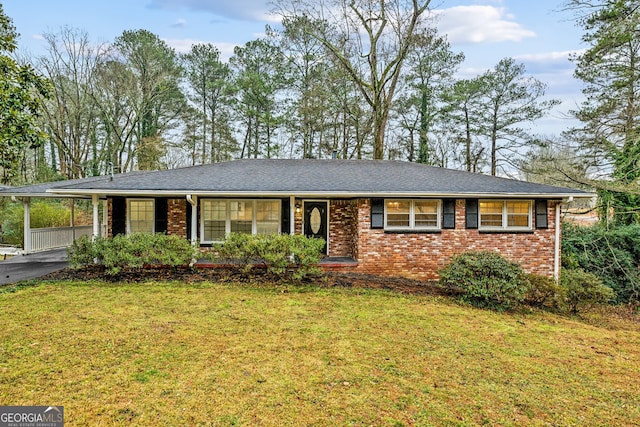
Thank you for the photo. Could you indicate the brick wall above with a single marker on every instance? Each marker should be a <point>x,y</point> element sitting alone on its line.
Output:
<point>421,255</point>
<point>343,216</point>
<point>177,217</point>
<point>109,217</point>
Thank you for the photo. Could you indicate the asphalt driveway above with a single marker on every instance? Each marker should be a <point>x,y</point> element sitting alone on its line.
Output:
<point>32,266</point>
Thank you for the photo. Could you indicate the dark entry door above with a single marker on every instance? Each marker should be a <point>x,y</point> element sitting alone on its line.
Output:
<point>315,221</point>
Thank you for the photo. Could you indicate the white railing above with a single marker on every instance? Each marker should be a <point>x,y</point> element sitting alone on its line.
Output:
<point>59,237</point>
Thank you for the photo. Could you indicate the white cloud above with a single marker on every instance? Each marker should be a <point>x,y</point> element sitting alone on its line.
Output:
<point>549,57</point>
<point>184,46</point>
<point>247,10</point>
<point>480,24</point>
<point>179,23</point>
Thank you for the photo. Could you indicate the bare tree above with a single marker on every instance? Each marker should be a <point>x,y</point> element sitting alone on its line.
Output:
<point>70,114</point>
<point>370,39</point>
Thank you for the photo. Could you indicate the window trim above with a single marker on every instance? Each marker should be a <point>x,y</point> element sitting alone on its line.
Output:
<point>227,226</point>
<point>412,218</point>
<point>153,210</point>
<point>505,216</point>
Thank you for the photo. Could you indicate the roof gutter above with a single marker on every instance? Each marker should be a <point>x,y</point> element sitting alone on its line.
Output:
<point>48,194</point>
<point>302,194</point>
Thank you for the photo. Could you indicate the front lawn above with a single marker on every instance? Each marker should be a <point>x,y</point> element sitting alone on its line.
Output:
<point>207,354</point>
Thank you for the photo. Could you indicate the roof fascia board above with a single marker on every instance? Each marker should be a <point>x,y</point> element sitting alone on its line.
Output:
<point>48,194</point>
<point>337,194</point>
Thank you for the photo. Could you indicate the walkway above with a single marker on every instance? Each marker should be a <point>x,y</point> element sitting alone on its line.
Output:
<point>32,266</point>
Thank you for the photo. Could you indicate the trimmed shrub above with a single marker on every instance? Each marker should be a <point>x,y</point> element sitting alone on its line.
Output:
<point>582,290</point>
<point>543,291</point>
<point>277,253</point>
<point>487,279</point>
<point>131,251</point>
<point>83,251</point>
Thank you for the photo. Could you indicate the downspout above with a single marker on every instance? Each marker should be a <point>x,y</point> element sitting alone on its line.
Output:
<point>292,215</point>
<point>557,249</point>
<point>556,255</point>
<point>193,201</point>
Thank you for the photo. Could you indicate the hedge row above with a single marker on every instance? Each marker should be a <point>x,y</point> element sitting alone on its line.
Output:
<point>276,253</point>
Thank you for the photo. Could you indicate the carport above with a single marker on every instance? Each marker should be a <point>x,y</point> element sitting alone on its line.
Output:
<point>43,239</point>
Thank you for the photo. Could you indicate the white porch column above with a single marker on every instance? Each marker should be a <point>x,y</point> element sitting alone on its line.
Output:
<point>26,202</point>
<point>193,201</point>
<point>96,215</point>
<point>292,215</point>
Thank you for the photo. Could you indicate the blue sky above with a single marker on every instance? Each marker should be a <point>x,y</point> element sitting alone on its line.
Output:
<point>536,33</point>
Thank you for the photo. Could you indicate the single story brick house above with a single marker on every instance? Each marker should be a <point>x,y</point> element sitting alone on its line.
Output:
<point>376,216</point>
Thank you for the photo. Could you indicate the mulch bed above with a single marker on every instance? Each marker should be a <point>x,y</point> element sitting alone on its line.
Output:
<point>257,276</point>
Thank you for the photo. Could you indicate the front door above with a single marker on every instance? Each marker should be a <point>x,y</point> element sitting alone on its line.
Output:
<point>315,221</point>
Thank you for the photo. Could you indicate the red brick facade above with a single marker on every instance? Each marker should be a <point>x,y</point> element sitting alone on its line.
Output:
<point>416,255</point>
<point>177,217</point>
<point>109,217</point>
<point>343,228</point>
<point>421,255</point>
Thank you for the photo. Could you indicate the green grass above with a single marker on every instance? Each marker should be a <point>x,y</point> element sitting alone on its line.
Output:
<point>220,355</point>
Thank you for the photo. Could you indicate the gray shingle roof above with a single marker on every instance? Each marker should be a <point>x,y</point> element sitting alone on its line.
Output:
<point>42,189</point>
<point>338,178</point>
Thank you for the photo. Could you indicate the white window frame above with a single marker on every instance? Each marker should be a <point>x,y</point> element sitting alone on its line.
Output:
<point>505,215</point>
<point>254,219</point>
<point>412,222</point>
<point>153,221</point>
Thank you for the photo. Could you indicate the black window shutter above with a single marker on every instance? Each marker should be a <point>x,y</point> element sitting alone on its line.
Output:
<point>189,210</point>
<point>542,220</point>
<point>162,207</point>
<point>449,213</point>
<point>472,214</point>
<point>118,216</point>
<point>377,213</point>
<point>285,220</point>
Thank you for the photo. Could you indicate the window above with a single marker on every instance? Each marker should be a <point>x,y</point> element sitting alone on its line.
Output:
<point>399,213</point>
<point>214,219</point>
<point>141,216</point>
<point>505,214</point>
<point>412,214</point>
<point>241,216</point>
<point>221,217</point>
<point>267,216</point>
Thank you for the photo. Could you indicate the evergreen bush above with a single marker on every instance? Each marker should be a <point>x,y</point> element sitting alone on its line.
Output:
<point>582,290</point>
<point>277,253</point>
<point>543,291</point>
<point>487,279</point>
<point>131,251</point>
